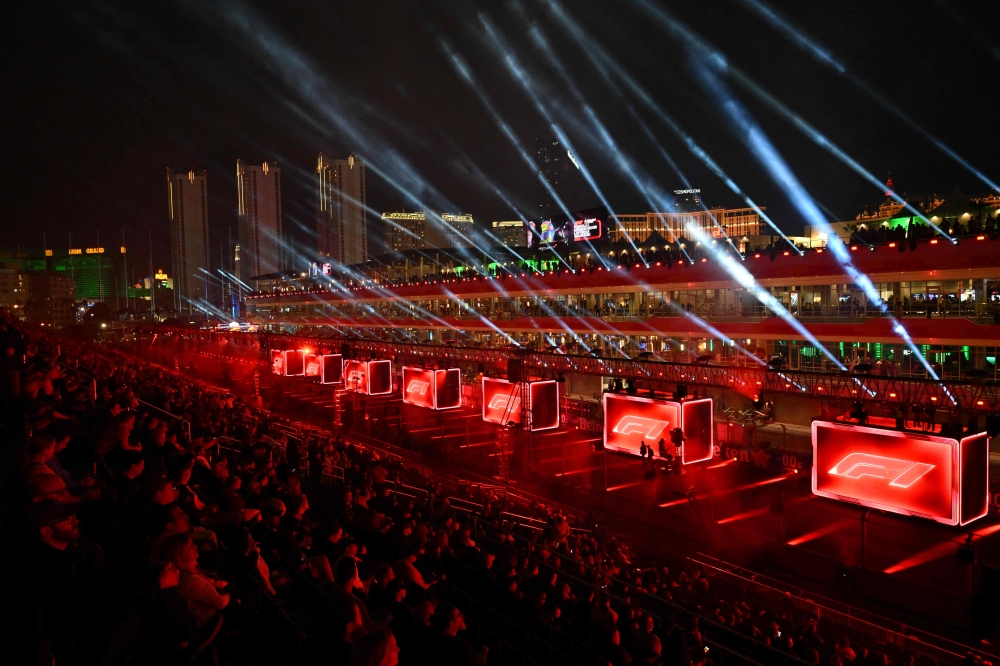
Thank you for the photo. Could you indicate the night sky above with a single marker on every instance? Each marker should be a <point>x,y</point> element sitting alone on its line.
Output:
<point>100,98</point>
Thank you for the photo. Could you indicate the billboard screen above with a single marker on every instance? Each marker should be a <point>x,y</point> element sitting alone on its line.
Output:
<point>586,229</point>
<point>630,420</point>
<point>295,363</point>
<point>697,422</point>
<point>312,365</point>
<point>277,362</point>
<point>379,377</point>
<point>433,389</point>
<point>331,369</point>
<point>915,474</point>
<point>447,388</point>
<point>501,402</point>
<point>418,387</point>
<point>543,405</point>
<point>356,376</point>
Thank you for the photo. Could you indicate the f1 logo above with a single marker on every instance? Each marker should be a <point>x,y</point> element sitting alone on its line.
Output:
<point>501,401</point>
<point>356,376</point>
<point>418,387</point>
<point>902,473</point>
<point>637,424</point>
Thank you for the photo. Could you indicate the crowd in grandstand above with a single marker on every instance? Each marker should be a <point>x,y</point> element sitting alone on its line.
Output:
<point>152,519</point>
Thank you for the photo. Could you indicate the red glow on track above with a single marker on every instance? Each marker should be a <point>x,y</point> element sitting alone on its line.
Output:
<point>821,532</point>
<point>942,549</point>
<point>746,514</point>
<point>728,491</point>
<point>932,553</point>
<point>579,471</point>
<point>626,485</point>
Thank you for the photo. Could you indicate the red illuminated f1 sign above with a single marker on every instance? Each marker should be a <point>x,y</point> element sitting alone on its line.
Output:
<point>902,473</point>
<point>632,424</point>
<point>501,401</point>
<point>418,387</point>
<point>912,473</point>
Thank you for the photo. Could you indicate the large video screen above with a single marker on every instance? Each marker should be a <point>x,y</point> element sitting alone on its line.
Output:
<point>587,229</point>
<point>277,362</point>
<point>312,365</point>
<point>331,369</point>
<point>418,387</point>
<point>356,376</point>
<point>916,474</point>
<point>447,388</point>
<point>543,405</point>
<point>295,363</point>
<point>433,389</point>
<point>379,377</point>
<point>630,420</point>
<point>698,425</point>
<point>501,401</point>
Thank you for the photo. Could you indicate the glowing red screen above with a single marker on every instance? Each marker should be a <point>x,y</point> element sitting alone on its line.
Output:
<point>418,387</point>
<point>379,377</point>
<point>277,362</point>
<point>501,401</point>
<point>312,365</point>
<point>631,420</point>
<point>543,403</point>
<point>295,363</point>
<point>331,369</point>
<point>699,428</point>
<point>433,389</point>
<point>910,473</point>
<point>447,388</point>
<point>356,376</point>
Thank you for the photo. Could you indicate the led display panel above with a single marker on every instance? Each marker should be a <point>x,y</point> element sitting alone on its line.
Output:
<point>295,363</point>
<point>586,229</point>
<point>331,369</point>
<point>697,423</point>
<point>630,420</point>
<point>277,362</point>
<point>379,377</point>
<point>433,389</point>
<point>501,401</point>
<point>312,365</point>
<point>543,405</point>
<point>418,387</point>
<point>356,376</point>
<point>447,388</point>
<point>915,474</point>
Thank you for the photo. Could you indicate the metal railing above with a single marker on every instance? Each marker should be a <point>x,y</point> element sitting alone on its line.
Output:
<point>883,630</point>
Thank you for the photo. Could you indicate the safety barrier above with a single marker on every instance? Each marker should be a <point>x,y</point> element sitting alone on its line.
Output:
<point>942,650</point>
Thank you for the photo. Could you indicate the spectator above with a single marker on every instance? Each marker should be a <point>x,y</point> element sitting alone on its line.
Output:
<point>377,648</point>
<point>451,648</point>
<point>204,593</point>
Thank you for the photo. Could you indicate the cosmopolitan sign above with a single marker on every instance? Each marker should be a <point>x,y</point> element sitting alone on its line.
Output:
<point>433,389</point>
<point>915,474</point>
<point>630,420</point>
<point>502,403</point>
